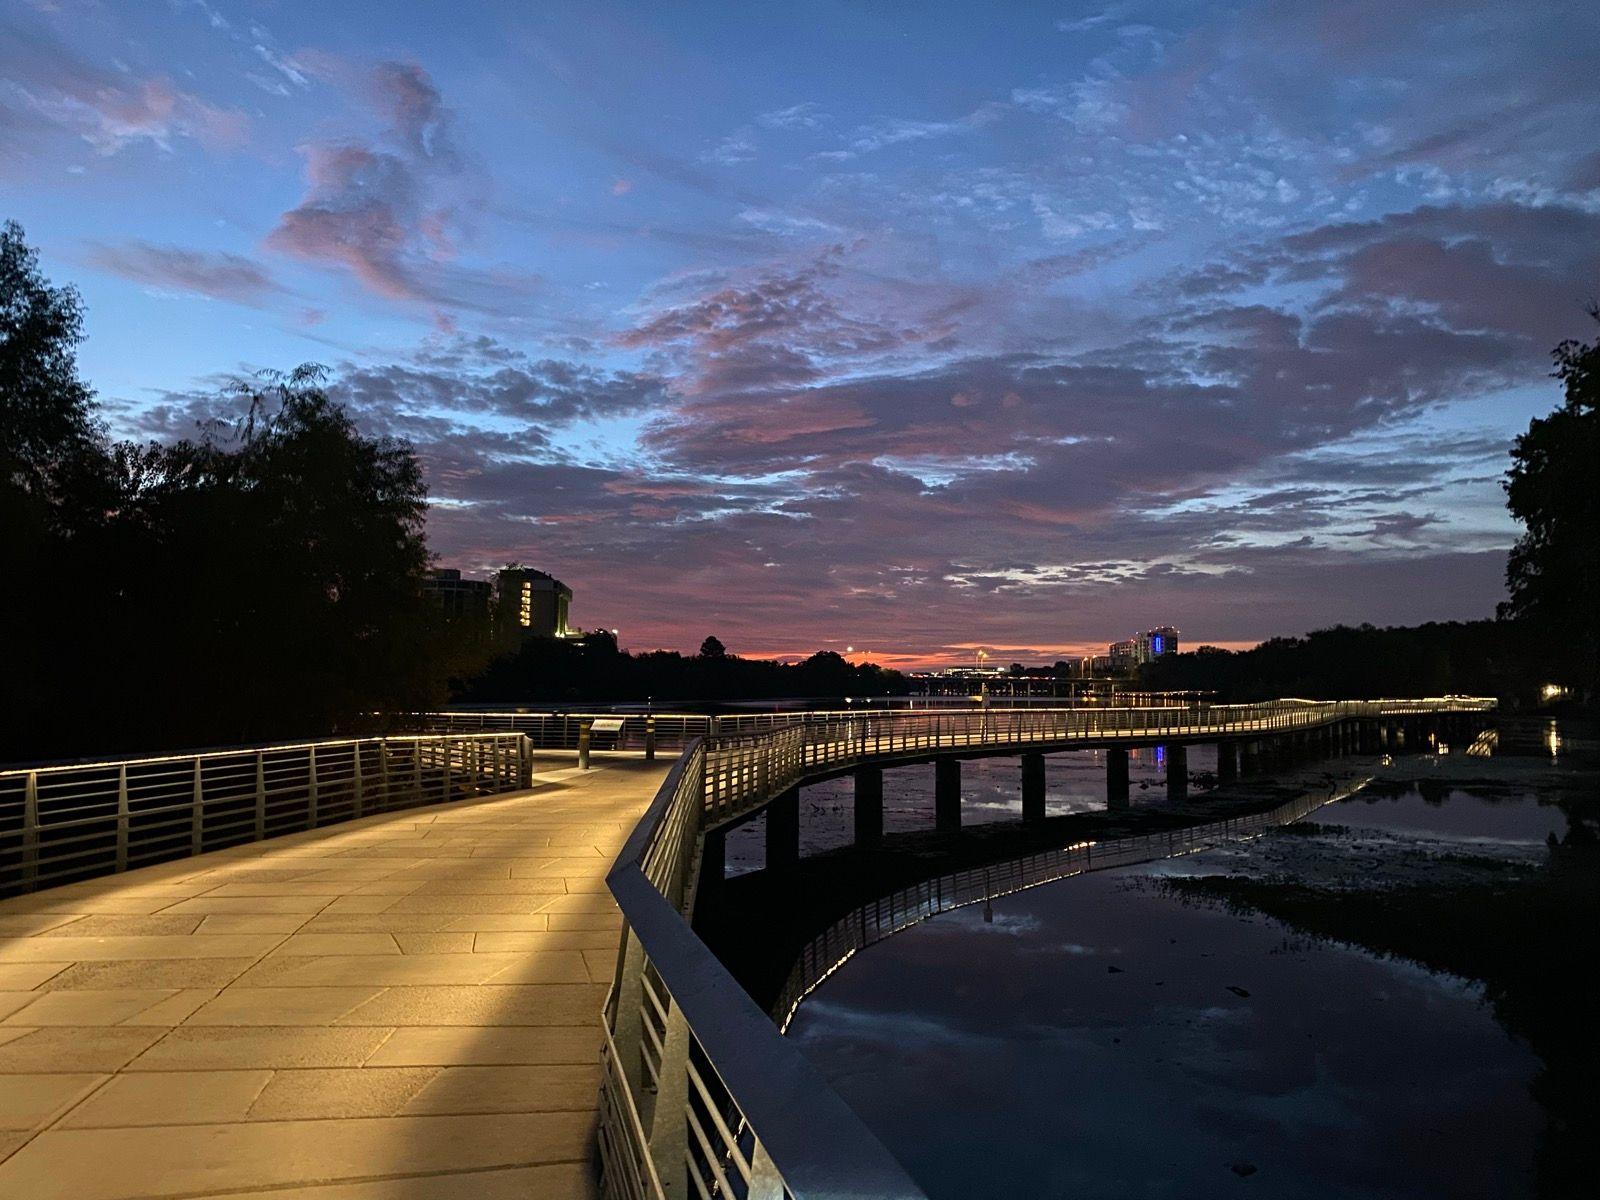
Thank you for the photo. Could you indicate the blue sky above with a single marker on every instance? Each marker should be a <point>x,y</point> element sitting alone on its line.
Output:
<point>906,327</point>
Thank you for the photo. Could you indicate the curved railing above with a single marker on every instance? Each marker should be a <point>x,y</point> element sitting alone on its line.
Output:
<point>745,771</point>
<point>697,1079</point>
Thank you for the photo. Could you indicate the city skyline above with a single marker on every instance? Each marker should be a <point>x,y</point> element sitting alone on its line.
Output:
<point>907,331</point>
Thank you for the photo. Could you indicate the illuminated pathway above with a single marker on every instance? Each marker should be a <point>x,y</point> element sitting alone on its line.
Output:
<point>405,1005</point>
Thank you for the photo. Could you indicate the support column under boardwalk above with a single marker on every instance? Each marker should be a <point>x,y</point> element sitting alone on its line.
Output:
<point>1227,762</point>
<point>713,867</point>
<point>1177,772</point>
<point>783,830</point>
<point>869,805</point>
<point>947,793</point>
<point>1033,787</point>
<point>1116,778</point>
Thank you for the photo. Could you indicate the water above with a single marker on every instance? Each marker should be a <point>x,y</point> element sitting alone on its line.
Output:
<point>991,791</point>
<point>1102,1037</point>
<point>1476,820</point>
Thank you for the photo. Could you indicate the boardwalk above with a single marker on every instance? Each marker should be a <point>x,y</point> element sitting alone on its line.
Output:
<point>403,1006</point>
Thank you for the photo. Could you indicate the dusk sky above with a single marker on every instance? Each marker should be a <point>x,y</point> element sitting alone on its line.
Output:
<point>905,327</point>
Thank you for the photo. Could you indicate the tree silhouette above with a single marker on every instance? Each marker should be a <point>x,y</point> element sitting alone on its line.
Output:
<point>260,580</point>
<point>712,647</point>
<point>50,442</point>
<point>1553,489</point>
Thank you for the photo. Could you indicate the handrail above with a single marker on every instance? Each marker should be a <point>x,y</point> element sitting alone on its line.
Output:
<point>696,1078</point>
<point>61,822</point>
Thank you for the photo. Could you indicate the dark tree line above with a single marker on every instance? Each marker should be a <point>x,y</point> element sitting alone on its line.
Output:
<point>593,669</point>
<point>1548,631</point>
<point>1481,658</point>
<point>261,580</point>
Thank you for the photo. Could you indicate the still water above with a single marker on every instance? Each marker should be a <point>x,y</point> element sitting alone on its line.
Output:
<point>1101,1037</point>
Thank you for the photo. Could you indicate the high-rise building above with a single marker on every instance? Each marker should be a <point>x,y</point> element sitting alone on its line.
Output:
<point>533,603</point>
<point>461,599</point>
<point>1142,648</point>
<point>1125,655</point>
<point>1159,641</point>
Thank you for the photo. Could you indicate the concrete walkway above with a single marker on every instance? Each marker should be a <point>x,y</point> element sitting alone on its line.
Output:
<point>402,1006</point>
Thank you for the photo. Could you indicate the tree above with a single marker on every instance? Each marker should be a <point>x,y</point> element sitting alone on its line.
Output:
<point>712,647</point>
<point>50,442</point>
<point>1553,489</point>
<point>56,488</point>
<point>260,580</point>
<point>300,545</point>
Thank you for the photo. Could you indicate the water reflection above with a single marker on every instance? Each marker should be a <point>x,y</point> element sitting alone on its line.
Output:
<point>1447,813</point>
<point>1102,1038</point>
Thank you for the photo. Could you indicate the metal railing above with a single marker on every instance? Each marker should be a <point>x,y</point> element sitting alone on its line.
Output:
<point>70,821</point>
<point>701,1094</point>
<point>698,1085</point>
<point>743,772</point>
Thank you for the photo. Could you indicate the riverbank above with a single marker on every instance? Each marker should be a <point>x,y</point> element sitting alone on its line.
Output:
<point>1517,915</point>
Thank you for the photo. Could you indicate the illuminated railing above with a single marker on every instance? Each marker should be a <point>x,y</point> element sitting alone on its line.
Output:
<point>68,821</point>
<point>701,1095</point>
<point>675,730</point>
<point>744,772</point>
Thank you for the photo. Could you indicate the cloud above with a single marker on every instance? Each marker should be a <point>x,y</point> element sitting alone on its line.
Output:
<point>737,147</point>
<point>217,275</point>
<point>394,210</point>
<point>796,116</point>
<point>892,131</point>
<point>778,328</point>
<point>46,90</point>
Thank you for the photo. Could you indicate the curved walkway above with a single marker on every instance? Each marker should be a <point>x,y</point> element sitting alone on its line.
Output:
<point>401,1006</point>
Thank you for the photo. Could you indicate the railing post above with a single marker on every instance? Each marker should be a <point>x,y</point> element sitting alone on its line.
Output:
<point>197,811</point>
<point>765,1182</point>
<point>30,830</point>
<point>669,1123</point>
<point>122,817</point>
<point>311,788</point>
<point>649,739</point>
<point>627,1017</point>
<point>416,769</point>
<point>261,796</point>
<point>358,800</point>
<point>385,801</point>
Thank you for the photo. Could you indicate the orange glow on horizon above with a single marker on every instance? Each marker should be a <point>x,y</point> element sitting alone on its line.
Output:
<point>960,654</point>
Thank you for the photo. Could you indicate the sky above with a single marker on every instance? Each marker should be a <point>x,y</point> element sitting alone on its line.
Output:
<point>912,328</point>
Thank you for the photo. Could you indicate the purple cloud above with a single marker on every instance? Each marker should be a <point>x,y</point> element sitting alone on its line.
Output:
<point>215,274</point>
